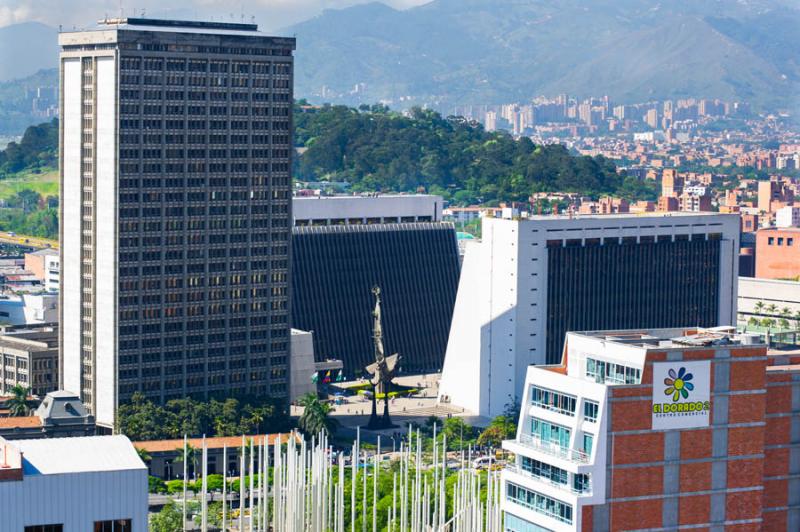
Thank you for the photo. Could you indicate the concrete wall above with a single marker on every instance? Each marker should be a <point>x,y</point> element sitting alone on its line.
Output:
<point>394,207</point>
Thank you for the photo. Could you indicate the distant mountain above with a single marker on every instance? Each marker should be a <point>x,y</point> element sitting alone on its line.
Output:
<point>492,51</point>
<point>27,48</point>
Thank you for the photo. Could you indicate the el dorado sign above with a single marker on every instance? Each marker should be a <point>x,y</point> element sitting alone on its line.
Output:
<point>681,394</point>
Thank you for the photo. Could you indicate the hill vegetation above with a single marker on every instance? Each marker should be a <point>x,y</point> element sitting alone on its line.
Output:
<point>375,149</point>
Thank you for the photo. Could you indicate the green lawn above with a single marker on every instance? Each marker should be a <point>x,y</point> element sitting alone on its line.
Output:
<point>45,183</point>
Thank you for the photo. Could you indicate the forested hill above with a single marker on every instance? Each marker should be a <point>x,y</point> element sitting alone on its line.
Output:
<point>375,149</point>
<point>379,150</point>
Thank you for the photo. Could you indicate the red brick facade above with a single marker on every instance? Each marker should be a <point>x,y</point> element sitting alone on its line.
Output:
<point>732,475</point>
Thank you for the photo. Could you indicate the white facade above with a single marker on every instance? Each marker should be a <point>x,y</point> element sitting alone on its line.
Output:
<point>302,366</point>
<point>782,294</point>
<point>499,324</point>
<point>788,217</point>
<point>75,482</point>
<point>52,270</point>
<point>390,208</point>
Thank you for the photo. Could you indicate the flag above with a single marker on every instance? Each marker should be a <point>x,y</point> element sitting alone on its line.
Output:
<point>327,377</point>
<point>315,377</point>
<point>340,376</point>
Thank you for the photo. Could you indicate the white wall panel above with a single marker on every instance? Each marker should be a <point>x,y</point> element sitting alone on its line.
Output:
<point>71,224</point>
<point>106,250</point>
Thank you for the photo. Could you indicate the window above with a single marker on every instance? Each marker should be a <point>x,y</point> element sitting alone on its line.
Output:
<point>602,371</point>
<point>789,241</point>
<point>555,401</point>
<point>550,432</point>
<point>770,241</point>
<point>581,483</point>
<point>117,525</point>
<point>590,409</point>
<point>588,440</point>
<point>780,240</point>
<point>517,524</point>
<point>544,471</point>
<point>539,503</point>
<point>44,528</point>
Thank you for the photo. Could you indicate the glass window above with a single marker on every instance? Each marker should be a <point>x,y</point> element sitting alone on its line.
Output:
<point>550,432</point>
<point>44,528</point>
<point>540,503</point>
<point>588,440</point>
<point>517,524</point>
<point>544,471</point>
<point>580,483</point>
<point>590,410</point>
<point>555,401</point>
<point>117,525</point>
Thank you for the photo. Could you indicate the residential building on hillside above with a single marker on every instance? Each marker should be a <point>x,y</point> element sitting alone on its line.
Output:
<point>530,281</point>
<point>656,430</point>
<point>45,265</point>
<point>416,266</point>
<point>176,149</point>
<point>73,484</point>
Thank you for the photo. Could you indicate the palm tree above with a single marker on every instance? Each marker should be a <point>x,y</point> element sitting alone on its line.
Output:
<point>772,308</point>
<point>753,321</point>
<point>784,323</point>
<point>797,319</point>
<point>316,416</point>
<point>759,306</point>
<point>18,402</point>
<point>144,456</point>
<point>192,454</point>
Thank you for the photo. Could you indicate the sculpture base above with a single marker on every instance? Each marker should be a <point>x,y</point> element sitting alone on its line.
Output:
<point>379,423</point>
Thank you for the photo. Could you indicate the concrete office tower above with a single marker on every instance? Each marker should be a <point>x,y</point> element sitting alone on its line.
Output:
<point>175,156</point>
<point>530,281</point>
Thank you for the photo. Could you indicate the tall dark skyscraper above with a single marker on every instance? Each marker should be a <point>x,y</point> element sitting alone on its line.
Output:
<point>176,147</point>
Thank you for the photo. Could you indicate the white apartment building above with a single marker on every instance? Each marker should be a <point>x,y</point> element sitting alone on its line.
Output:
<point>72,485</point>
<point>371,209</point>
<point>788,217</point>
<point>530,281</point>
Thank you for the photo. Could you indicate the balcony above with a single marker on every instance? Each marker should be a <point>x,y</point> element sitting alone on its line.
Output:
<point>569,488</point>
<point>553,449</point>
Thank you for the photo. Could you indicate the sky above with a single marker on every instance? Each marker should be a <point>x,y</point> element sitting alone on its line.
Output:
<point>269,14</point>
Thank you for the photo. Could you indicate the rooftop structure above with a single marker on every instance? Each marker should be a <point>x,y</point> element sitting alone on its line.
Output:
<point>90,483</point>
<point>371,209</point>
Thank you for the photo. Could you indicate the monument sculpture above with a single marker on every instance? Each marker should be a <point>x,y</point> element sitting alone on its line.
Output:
<point>382,371</point>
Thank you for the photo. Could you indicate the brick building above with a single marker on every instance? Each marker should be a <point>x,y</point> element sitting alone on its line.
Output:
<point>778,253</point>
<point>657,430</point>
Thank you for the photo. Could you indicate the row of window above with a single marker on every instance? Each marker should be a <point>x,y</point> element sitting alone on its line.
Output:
<point>277,357</point>
<point>603,371</point>
<point>201,139</point>
<point>127,168</point>
<point>130,94</point>
<point>555,401</point>
<point>217,181</point>
<point>200,153</point>
<point>116,525</point>
<point>218,125</point>
<point>772,241</point>
<point>556,475</point>
<point>177,80</point>
<point>554,434</point>
<point>201,65</point>
<point>538,502</point>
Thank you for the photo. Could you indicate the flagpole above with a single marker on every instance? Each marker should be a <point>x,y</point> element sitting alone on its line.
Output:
<point>224,485</point>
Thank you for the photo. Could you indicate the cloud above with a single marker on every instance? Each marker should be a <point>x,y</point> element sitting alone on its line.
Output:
<point>269,14</point>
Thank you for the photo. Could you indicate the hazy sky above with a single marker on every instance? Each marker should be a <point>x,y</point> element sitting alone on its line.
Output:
<point>269,14</point>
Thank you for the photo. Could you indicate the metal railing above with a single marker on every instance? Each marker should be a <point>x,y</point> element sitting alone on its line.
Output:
<point>570,488</point>
<point>554,449</point>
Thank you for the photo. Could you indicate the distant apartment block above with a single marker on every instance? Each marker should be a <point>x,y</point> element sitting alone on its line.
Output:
<point>29,358</point>
<point>530,281</point>
<point>656,430</point>
<point>778,253</point>
<point>366,210</point>
<point>788,217</point>
<point>45,265</point>
<point>176,149</point>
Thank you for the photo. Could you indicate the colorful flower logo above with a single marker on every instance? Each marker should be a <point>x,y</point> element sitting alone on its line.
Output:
<point>678,385</point>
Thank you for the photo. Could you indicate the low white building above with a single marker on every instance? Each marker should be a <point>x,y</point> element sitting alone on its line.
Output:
<point>72,485</point>
<point>29,309</point>
<point>302,366</point>
<point>371,209</point>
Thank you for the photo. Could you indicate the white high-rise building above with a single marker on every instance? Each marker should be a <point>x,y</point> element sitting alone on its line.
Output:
<point>529,281</point>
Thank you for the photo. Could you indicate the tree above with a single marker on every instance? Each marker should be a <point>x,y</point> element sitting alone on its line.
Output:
<point>192,455</point>
<point>753,321</point>
<point>772,309</point>
<point>316,416</point>
<point>169,519</point>
<point>18,402</point>
<point>155,485</point>
<point>784,323</point>
<point>144,456</point>
<point>759,307</point>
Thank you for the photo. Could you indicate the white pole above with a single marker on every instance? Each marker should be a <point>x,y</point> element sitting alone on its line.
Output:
<point>224,487</point>
<point>251,485</point>
<point>204,489</point>
<point>241,484</point>
<point>185,473</point>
